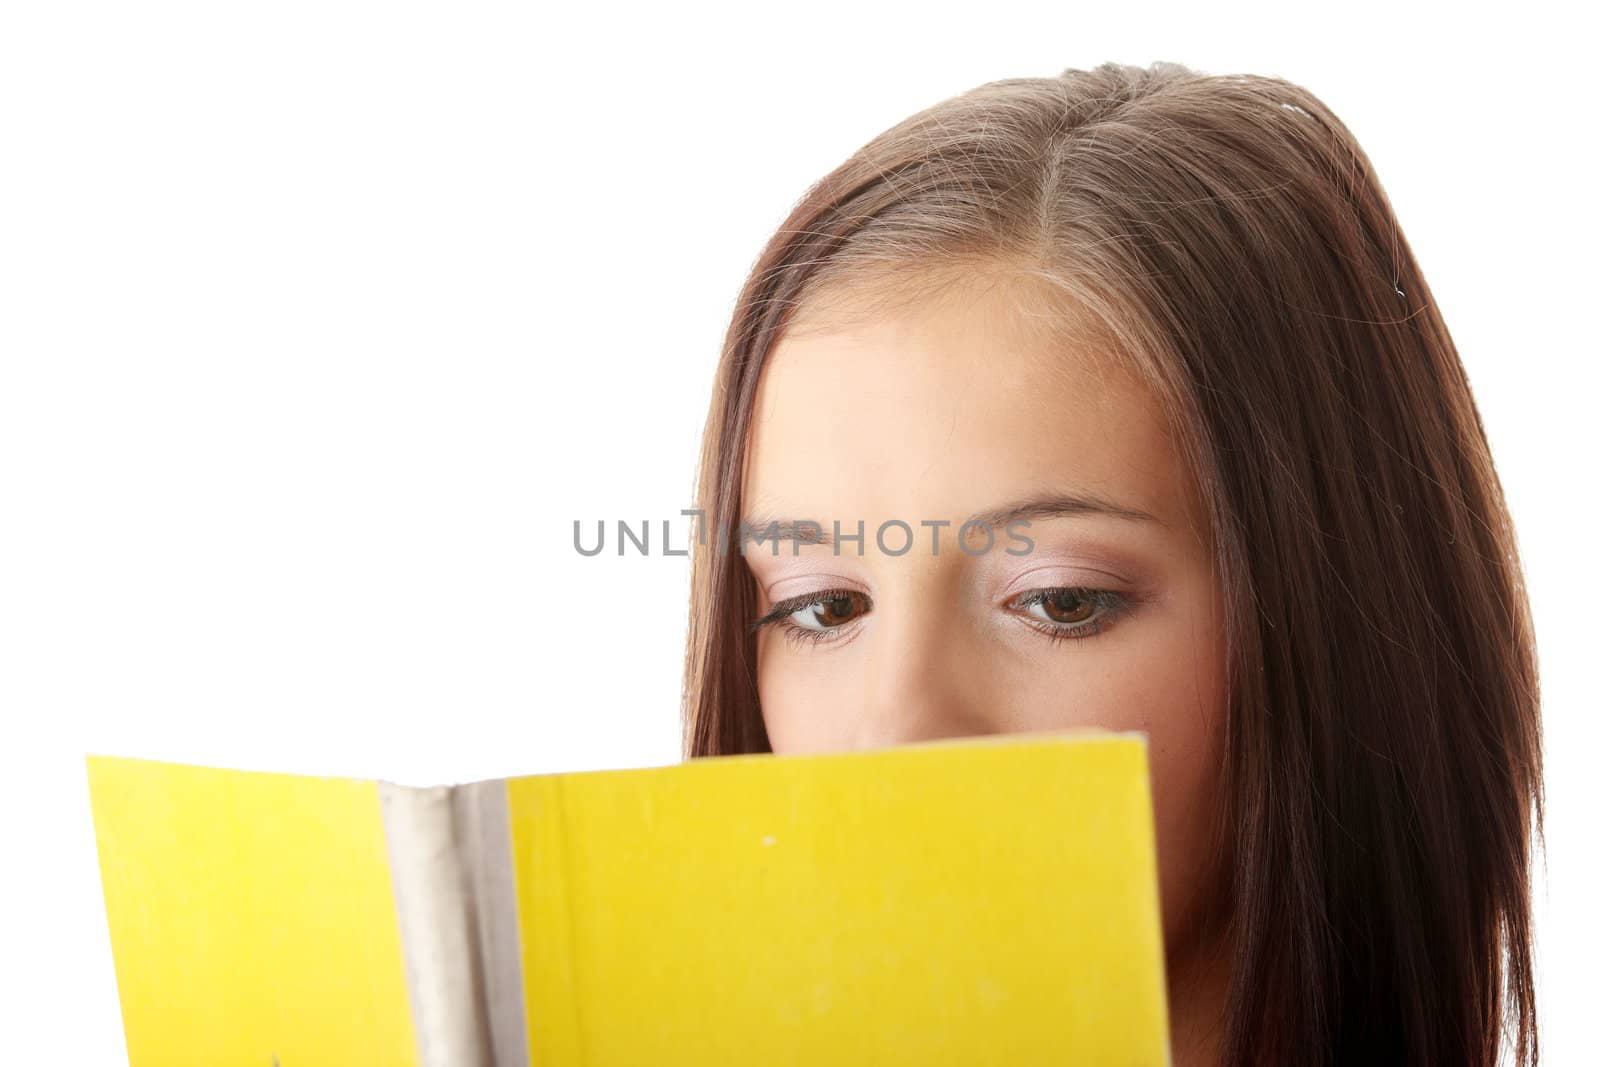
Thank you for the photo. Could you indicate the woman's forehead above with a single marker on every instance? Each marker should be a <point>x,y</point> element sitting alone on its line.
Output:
<point>953,404</point>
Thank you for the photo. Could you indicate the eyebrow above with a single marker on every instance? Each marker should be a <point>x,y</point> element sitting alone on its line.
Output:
<point>1053,506</point>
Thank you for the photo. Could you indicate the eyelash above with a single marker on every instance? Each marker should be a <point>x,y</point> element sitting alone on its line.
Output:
<point>1112,605</point>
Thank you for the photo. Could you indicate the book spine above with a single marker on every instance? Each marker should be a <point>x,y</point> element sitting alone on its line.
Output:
<point>449,859</point>
<point>482,819</point>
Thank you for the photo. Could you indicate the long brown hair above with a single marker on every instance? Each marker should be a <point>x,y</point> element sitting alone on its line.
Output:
<point>1383,750</point>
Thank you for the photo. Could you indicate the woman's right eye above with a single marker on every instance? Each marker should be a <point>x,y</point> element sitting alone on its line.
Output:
<point>815,616</point>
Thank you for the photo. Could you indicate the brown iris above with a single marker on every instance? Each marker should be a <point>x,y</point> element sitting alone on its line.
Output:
<point>833,612</point>
<point>1067,606</point>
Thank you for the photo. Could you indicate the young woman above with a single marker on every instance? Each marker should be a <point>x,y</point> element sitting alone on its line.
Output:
<point>1118,398</point>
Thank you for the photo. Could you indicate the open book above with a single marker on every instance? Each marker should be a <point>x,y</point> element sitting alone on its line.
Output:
<point>973,901</point>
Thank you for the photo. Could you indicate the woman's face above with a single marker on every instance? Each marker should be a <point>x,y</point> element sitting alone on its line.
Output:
<point>1097,605</point>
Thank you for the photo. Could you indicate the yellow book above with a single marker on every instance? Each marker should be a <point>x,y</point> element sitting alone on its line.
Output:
<point>959,902</point>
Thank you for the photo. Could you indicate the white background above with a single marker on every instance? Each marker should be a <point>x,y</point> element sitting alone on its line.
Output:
<point>322,322</point>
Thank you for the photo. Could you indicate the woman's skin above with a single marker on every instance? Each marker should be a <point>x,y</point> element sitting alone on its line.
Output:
<point>939,411</point>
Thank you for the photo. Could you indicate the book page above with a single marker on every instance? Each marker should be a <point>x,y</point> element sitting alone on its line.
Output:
<point>961,904</point>
<point>252,918</point>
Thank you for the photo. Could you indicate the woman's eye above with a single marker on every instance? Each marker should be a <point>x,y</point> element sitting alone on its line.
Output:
<point>816,616</point>
<point>826,614</point>
<point>1065,605</point>
<point>1071,612</point>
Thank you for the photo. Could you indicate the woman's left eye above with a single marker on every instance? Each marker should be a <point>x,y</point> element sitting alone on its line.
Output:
<point>1071,612</point>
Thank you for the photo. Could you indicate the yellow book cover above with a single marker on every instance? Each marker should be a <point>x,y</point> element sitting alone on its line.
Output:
<point>959,902</point>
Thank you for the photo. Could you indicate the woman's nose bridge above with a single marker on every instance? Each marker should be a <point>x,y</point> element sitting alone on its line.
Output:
<point>921,678</point>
